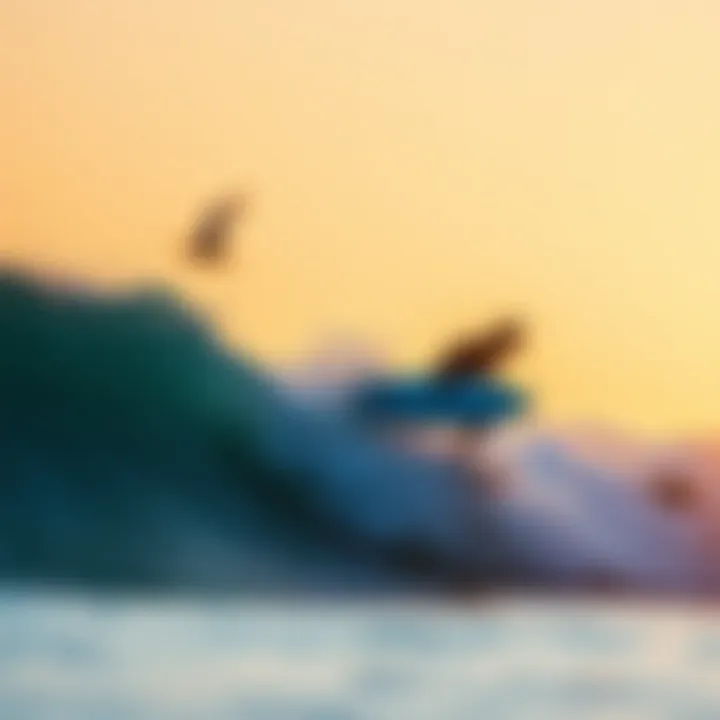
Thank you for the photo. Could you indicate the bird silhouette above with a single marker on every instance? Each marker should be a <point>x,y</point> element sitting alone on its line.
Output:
<point>209,243</point>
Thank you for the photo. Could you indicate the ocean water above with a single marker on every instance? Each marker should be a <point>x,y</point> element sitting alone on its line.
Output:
<point>137,450</point>
<point>230,548</point>
<point>77,657</point>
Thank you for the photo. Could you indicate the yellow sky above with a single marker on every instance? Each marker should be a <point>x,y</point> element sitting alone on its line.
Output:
<point>418,166</point>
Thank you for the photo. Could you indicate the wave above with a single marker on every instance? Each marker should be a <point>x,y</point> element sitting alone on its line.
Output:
<point>137,451</point>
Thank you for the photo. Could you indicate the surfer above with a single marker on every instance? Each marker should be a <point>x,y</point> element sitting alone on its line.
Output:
<point>461,390</point>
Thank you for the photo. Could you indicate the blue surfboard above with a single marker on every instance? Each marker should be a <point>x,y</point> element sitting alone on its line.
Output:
<point>468,401</point>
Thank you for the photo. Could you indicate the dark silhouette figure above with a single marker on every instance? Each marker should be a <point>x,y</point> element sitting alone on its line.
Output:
<point>209,241</point>
<point>480,353</point>
<point>673,490</point>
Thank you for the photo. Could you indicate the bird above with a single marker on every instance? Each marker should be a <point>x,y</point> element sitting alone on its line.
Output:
<point>481,352</point>
<point>673,490</point>
<point>209,241</point>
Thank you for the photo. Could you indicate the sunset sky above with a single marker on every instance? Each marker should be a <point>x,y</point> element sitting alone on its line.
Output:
<point>417,167</point>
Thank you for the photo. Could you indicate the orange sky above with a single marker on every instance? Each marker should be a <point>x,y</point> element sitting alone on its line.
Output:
<point>418,166</point>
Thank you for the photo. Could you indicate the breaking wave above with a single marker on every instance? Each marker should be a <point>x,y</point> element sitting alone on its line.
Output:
<point>135,449</point>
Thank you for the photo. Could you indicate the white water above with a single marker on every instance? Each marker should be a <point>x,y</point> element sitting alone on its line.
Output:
<point>74,658</point>
<point>571,514</point>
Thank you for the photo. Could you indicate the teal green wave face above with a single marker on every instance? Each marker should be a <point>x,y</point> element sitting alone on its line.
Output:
<point>140,362</point>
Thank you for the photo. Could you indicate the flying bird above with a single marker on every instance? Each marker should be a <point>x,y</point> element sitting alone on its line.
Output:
<point>209,241</point>
<point>481,352</point>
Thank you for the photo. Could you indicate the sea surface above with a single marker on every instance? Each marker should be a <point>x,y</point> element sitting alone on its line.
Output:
<point>76,656</point>
<point>186,495</point>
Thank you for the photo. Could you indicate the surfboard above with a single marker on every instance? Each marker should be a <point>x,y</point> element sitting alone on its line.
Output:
<point>466,401</point>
